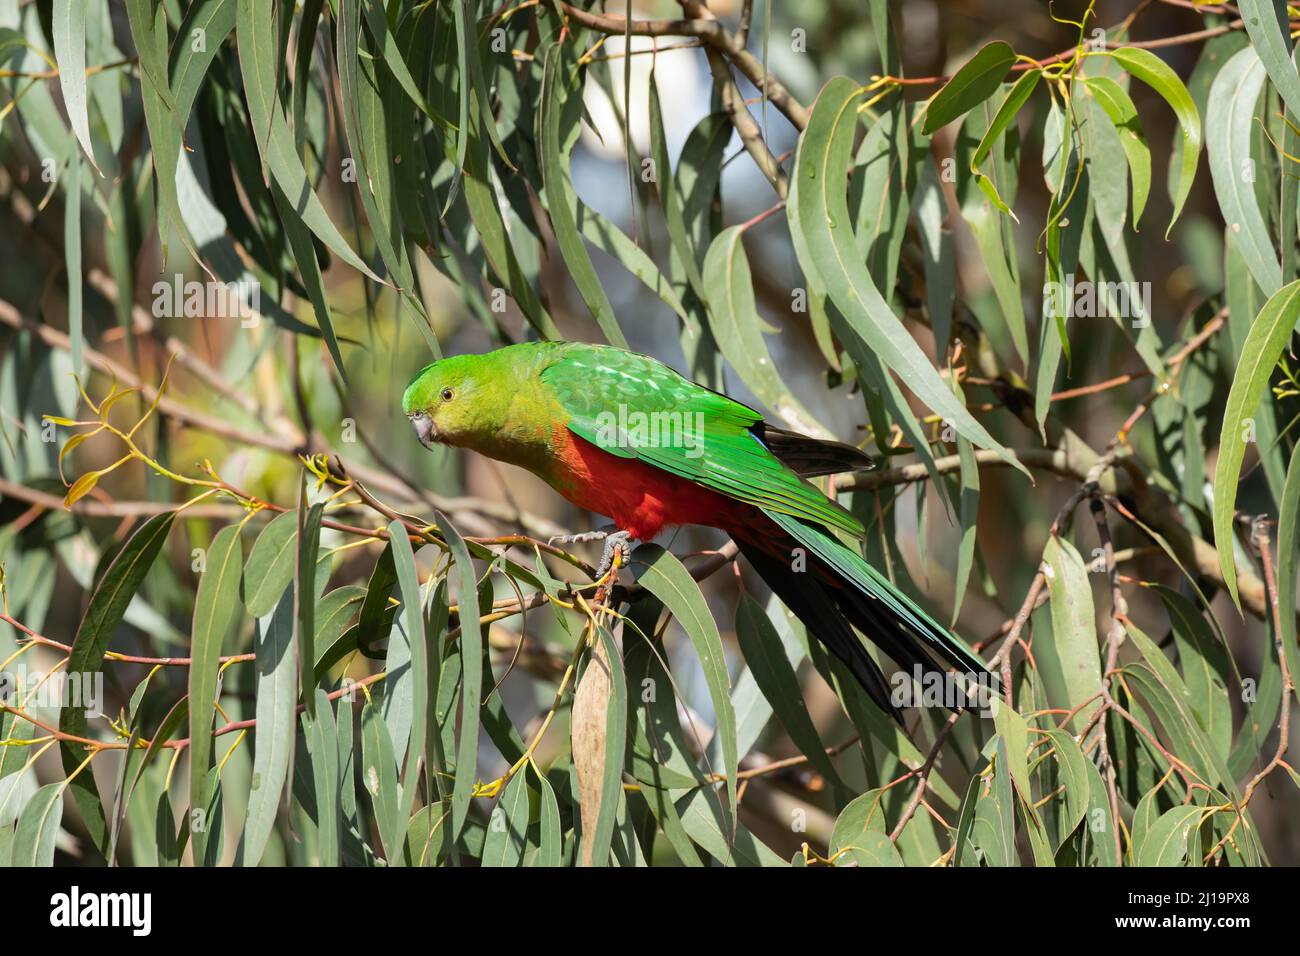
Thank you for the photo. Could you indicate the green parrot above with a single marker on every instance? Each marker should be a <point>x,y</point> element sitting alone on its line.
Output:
<point>623,435</point>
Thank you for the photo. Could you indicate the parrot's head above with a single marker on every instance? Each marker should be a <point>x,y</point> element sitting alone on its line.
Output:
<point>467,401</point>
<point>445,401</point>
<point>494,404</point>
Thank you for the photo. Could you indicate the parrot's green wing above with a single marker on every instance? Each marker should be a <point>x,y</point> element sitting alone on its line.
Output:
<point>712,438</point>
<point>600,385</point>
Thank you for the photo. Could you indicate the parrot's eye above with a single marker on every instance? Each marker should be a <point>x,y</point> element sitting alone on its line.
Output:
<point>448,394</point>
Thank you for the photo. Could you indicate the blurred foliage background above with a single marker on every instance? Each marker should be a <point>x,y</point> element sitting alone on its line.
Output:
<point>868,258</point>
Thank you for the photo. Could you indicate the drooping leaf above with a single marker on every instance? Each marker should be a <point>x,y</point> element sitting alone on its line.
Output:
<point>38,826</point>
<point>507,830</point>
<point>1270,34</point>
<point>471,690</point>
<point>1070,661</point>
<point>558,89</point>
<point>667,579</point>
<point>214,609</point>
<point>113,593</point>
<point>277,692</point>
<point>761,645</point>
<point>270,564</point>
<point>1016,98</point>
<point>1231,114</point>
<point>1115,101</point>
<point>413,615</point>
<point>823,240</point>
<point>734,318</point>
<point>1168,841</point>
<point>977,80</point>
<point>1157,74</point>
<point>1268,337</point>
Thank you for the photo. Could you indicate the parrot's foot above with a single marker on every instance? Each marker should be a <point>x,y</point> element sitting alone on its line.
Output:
<point>615,544</point>
<point>600,534</point>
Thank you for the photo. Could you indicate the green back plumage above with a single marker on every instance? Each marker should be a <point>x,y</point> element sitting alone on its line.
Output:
<point>590,380</point>
<point>593,382</point>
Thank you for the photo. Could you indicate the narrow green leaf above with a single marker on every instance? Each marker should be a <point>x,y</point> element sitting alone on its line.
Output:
<point>1014,732</point>
<point>485,211</point>
<point>471,690</point>
<point>1115,102</point>
<point>72,257</point>
<point>1270,33</point>
<point>993,231</point>
<point>467,38</point>
<point>705,820</point>
<point>304,255</point>
<point>1074,777</point>
<point>379,778</point>
<point>558,90</point>
<point>1071,661</point>
<point>1268,336</point>
<point>763,651</point>
<point>968,517</point>
<point>376,607</point>
<point>1206,665</point>
<point>1231,114</point>
<point>377,23</point>
<point>734,318</point>
<point>408,582</point>
<point>669,196</point>
<point>666,578</point>
<point>118,584</point>
<point>38,826</point>
<point>366,121</point>
<point>257,63</point>
<point>321,732</point>
<point>270,564</point>
<point>992,826</point>
<point>1154,72</point>
<point>823,237</point>
<point>304,590</point>
<point>976,81</point>
<point>1166,697</point>
<point>69,28</point>
<point>214,608</point>
<point>552,840</point>
<point>277,692</point>
<point>507,829</point>
<point>1016,98</point>
<point>1168,840</point>
<point>213,21</point>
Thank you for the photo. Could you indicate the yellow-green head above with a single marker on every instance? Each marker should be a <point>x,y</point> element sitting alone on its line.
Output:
<point>494,403</point>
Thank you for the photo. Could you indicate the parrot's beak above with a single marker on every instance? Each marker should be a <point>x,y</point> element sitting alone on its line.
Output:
<point>424,429</point>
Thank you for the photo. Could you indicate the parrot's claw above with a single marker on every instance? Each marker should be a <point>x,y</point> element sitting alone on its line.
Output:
<point>615,544</point>
<point>599,534</point>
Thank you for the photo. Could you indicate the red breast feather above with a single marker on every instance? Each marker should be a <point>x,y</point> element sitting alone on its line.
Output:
<point>640,498</point>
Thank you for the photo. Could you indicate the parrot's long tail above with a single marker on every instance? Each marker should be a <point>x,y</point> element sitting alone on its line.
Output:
<point>834,588</point>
